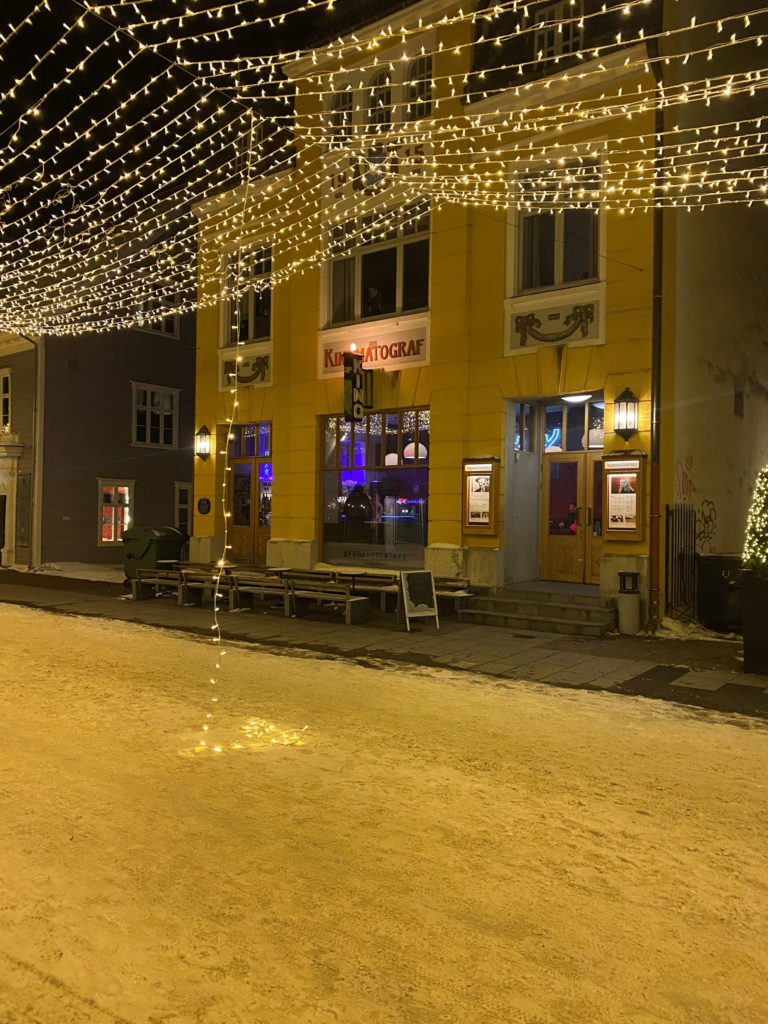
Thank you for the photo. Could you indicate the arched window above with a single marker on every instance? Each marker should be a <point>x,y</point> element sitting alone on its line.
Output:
<point>418,89</point>
<point>341,117</point>
<point>380,102</point>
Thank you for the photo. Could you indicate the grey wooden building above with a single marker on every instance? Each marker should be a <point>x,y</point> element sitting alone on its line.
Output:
<point>96,435</point>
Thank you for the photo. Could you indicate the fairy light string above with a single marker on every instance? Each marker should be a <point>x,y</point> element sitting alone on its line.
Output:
<point>105,223</point>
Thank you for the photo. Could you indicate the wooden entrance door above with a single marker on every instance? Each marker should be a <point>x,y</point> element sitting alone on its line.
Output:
<point>250,508</point>
<point>572,515</point>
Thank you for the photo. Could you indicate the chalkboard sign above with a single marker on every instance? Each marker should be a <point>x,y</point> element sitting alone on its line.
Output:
<point>419,598</point>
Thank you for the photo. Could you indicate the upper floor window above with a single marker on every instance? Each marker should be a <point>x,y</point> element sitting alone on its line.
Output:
<point>559,245</point>
<point>251,314</point>
<point>558,29</point>
<point>387,270</point>
<point>418,89</point>
<point>380,102</point>
<point>342,113</point>
<point>155,420</point>
<point>5,401</point>
<point>157,315</point>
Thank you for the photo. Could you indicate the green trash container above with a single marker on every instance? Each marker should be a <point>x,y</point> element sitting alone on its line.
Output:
<point>145,547</point>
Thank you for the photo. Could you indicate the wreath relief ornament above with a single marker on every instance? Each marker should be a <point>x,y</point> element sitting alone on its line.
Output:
<point>580,317</point>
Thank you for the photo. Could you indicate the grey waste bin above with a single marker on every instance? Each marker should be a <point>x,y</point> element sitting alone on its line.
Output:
<point>145,546</point>
<point>629,603</point>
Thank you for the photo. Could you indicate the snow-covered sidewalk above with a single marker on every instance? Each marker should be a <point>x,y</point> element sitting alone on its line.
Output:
<point>440,849</point>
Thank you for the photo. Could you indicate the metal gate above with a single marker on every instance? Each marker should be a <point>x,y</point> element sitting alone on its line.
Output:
<point>680,561</point>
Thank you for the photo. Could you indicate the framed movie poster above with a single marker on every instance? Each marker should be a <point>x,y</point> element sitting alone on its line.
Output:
<point>623,497</point>
<point>480,496</point>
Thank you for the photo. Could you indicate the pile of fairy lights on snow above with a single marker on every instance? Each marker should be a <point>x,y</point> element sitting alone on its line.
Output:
<point>102,207</point>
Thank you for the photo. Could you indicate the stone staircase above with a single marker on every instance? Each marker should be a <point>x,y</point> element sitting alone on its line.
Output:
<point>543,606</point>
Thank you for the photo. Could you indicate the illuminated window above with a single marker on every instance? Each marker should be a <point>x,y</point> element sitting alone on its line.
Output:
<point>155,415</point>
<point>382,267</point>
<point>375,491</point>
<point>115,510</point>
<point>5,401</point>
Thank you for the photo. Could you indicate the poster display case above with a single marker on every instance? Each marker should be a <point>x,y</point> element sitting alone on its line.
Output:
<point>624,496</point>
<point>480,493</point>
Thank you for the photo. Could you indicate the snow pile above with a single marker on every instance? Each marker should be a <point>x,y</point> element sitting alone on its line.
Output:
<point>79,571</point>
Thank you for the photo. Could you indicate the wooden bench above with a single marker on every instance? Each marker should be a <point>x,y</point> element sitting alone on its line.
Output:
<point>384,584</point>
<point>319,588</point>
<point>196,583</point>
<point>152,582</point>
<point>248,584</point>
<point>455,590</point>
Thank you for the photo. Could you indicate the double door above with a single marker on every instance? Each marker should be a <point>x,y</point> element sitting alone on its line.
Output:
<point>571,517</point>
<point>250,507</point>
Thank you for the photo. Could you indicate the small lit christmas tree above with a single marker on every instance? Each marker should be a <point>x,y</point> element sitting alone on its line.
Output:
<point>755,555</point>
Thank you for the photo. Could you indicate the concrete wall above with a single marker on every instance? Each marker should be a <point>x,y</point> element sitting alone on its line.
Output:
<point>716,387</point>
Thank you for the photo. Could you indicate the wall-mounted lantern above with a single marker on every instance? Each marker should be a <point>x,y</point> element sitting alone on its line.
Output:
<point>626,411</point>
<point>203,443</point>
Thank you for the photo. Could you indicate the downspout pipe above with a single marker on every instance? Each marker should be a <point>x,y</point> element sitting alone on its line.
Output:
<point>36,539</point>
<point>654,605</point>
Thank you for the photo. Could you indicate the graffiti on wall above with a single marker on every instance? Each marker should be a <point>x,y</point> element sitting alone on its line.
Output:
<point>683,480</point>
<point>706,527</point>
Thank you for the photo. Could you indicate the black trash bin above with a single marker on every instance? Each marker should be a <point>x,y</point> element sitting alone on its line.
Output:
<point>144,547</point>
<point>718,591</point>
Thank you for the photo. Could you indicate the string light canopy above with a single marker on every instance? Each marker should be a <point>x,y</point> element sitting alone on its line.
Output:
<point>123,124</point>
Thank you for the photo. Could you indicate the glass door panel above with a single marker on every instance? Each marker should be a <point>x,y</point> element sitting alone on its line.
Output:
<point>241,526</point>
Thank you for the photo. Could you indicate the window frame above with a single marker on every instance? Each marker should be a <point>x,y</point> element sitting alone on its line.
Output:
<point>362,248</point>
<point>6,402</point>
<point>137,386</point>
<point>417,100</point>
<point>156,308</point>
<point>103,482</point>
<point>559,240</point>
<point>378,115</point>
<point>341,119</point>
<point>554,14</point>
<point>178,485</point>
<point>231,334</point>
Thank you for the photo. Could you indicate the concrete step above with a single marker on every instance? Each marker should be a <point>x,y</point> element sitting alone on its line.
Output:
<point>529,608</point>
<point>538,622</point>
<point>546,597</point>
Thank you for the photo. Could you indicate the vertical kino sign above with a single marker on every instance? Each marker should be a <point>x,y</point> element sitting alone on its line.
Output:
<point>397,350</point>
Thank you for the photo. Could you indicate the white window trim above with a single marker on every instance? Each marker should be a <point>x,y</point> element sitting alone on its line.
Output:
<point>6,428</point>
<point>226,304</point>
<point>515,243</point>
<point>136,385</point>
<point>146,327</point>
<point>559,11</point>
<point>360,84</point>
<point>177,486</point>
<point>357,254</point>
<point>103,482</point>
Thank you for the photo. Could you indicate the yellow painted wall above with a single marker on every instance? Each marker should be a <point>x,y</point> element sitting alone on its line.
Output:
<point>469,382</point>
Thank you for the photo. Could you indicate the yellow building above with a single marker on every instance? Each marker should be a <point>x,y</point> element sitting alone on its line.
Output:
<point>491,262</point>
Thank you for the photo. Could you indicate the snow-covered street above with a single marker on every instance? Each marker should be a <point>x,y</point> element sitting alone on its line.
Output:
<point>439,850</point>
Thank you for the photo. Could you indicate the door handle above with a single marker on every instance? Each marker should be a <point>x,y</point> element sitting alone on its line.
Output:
<point>589,516</point>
